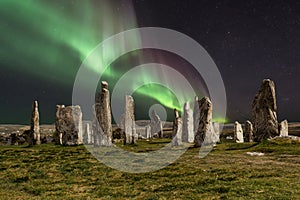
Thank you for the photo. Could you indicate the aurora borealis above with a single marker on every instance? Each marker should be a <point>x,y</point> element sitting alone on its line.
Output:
<point>43,43</point>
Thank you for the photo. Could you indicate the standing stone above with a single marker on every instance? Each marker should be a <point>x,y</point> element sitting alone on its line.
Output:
<point>216,132</point>
<point>264,109</point>
<point>58,123</point>
<point>87,134</point>
<point>196,115</point>
<point>187,124</point>
<point>122,122</point>
<point>103,114</point>
<point>156,125</point>
<point>148,132</point>
<point>69,125</point>
<point>129,121</point>
<point>35,124</point>
<point>238,133</point>
<point>205,122</point>
<point>177,129</point>
<point>284,128</point>
<point>248,131</point>
<point>96,128</point>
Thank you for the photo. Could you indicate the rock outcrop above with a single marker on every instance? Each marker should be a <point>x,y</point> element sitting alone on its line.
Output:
<point>265,124</point>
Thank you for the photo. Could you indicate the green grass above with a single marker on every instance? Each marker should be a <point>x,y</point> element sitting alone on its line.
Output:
<point>55,172</point>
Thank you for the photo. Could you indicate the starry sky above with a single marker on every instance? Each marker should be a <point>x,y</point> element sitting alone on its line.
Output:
<point>43,44</point>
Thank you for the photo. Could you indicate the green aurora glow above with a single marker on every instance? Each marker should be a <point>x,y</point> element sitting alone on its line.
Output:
<point>59,35</point>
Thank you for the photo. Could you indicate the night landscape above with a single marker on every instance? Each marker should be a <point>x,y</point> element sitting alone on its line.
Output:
<point>140,99</point>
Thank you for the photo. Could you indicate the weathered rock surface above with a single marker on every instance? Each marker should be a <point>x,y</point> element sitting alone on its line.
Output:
<point>187,124</point>
<point>238,133</point>
<point>265,124</point>
<point>177,129</point>
<point>156,125</point>
<point>103,114</point>
<point>284,128</point>
<point>205,129</point>
<point>196,115</point>
<point>87,133</point>
<point>248,131</point>
<point>148,132</point>
<point>129,121</point>
<point>216,132</point>
<point>96,129</point>
<point>69,125</point>
<point>35,125</point>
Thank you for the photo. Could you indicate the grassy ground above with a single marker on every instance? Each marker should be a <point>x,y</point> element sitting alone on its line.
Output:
<point>55,172</point>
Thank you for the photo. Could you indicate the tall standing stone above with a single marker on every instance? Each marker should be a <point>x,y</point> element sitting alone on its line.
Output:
<point>265,124</point>
<point>69,125</point>
<point>177,129</point>
<point>196,115</point>
<point>187,124</point>
<point>216,132</point>
<point>148,132</point>
<point>284,128</point>
<point>96,128</point>
<point>248,132</point>
<point>156,124</point>
<point>87,134</point>
<point>35,124</point>
<point>103,113</point>
<point>205,129</point>
<point>129,121</point>
<point>238,133</point>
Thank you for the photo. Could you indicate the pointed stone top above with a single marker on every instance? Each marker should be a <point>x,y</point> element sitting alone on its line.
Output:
<point>205,99</point>
<point>187,105</point>
<point>248,122</point>
<point>196,98</point>
<point>104,85</point>
<point>176,114</point>
<point>128,97</point>
<point>153,113</point>
<point>35,105</point>
<point>154,116</point>
<point>269,82</point>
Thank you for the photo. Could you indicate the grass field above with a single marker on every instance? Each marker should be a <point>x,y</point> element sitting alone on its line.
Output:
<point>55,172</point>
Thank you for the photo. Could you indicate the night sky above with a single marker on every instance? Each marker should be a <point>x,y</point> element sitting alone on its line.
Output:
<point>43,44</point>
